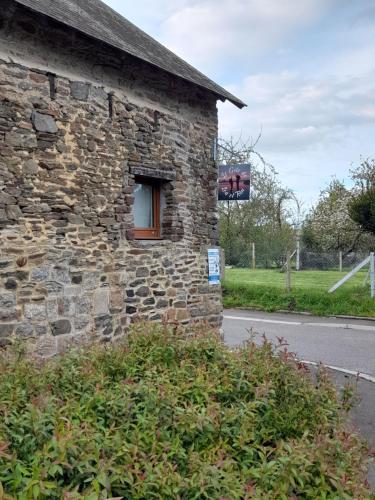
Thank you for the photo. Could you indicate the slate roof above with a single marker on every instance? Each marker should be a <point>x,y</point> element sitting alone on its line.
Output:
<point>97,20</point>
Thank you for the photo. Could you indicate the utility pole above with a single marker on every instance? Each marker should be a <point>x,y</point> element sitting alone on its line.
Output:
<point>340,261</point>
<point>372,273</point>
<point>253,256</point>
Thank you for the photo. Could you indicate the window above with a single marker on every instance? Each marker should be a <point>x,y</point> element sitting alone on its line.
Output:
<point>146,209</point>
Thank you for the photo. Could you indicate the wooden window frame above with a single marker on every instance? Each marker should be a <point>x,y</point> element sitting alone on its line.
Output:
<point>154,232</point>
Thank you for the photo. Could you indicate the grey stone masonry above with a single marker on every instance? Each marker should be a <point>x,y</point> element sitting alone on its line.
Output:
<point>70,268</point>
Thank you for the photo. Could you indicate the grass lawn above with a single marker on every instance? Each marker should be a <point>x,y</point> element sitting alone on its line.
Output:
<point>265,289</point>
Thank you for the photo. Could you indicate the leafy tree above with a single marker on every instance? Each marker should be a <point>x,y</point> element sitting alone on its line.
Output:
<point>362,210</point>
<point>362,206</point>
<point>264,220</point>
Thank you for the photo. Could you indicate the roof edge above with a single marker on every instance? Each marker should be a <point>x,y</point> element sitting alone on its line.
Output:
<point>219,91</point>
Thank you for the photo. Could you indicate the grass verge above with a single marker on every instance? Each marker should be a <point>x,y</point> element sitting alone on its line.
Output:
<point>168,417</point>
<point>265,290</point>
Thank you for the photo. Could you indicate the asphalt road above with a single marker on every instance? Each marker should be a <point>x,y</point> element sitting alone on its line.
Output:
<point>347,345</point>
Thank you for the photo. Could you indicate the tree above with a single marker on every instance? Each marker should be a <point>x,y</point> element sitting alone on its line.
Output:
<point>364,175</point>
<point>362,210</point>
<point>362,206</point>
<point>264,219</point>
<point>328,227</point>
<point>331,225</point>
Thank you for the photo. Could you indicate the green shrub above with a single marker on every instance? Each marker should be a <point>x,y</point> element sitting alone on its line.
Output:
<point>169,417</point>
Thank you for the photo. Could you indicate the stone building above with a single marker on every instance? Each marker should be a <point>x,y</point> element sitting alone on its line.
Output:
<point>107,183</point>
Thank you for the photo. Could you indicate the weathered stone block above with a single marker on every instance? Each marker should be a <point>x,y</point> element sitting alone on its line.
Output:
<point>52,287</point>
<point>9,314</point>
<point>3,215</point>
<point>46,346</point>
<point>44,123</point>
<point>13,212</point>
<point>40,330</point>
<point>64,306</point>
<point>156,317</point>
<point>101,302</point>
<point>7,299</point>
<point>81,323</point>
<point>6,330</point>
<point>40,273</point>
<point>180,304</point>
<point>22,275</point>
<point>83,305</point>
<point>182,315</point>
<point>162,303</point>
<point>22,141</point>
<point>80,90</point>
<point>104,325</point>
<point>149,302</point>
<point>11,284</point>
<point>60,275</point>
<point>142,272</point>
<point>136,283</point>
<point>143,291</point>
<point>90,280</point>
<point>24,330</point>
<point>6,199</point>
<point>35,312</point>
<point>61,327</point>
<point>116,299</point>
<point>30,167</point>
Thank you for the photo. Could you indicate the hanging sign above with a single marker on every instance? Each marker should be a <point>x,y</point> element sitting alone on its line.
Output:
<point>214,266</point>
<point>234,182</point>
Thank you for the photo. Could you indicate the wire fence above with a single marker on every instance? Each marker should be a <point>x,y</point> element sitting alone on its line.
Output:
<point>307,260</point>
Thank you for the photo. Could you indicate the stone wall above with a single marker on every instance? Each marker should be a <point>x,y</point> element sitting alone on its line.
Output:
<point>77,122</point>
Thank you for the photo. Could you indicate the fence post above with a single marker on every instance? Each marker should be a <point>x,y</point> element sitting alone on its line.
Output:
<point>372,273</point>
<point>288,273</point>
<point>340,261</point>
<point>253,256</point>
<point>298,254</point>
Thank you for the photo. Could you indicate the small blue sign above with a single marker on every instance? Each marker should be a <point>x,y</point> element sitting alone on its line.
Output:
<point>214,266</point>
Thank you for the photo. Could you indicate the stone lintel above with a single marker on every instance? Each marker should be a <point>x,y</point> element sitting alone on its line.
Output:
<point>154,173</point>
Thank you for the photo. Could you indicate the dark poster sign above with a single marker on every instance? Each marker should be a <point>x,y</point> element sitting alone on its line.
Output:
<point>234,182</point>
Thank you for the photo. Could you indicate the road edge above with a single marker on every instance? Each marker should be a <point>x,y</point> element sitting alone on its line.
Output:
<point>304,313</point>
<point>363,376</point>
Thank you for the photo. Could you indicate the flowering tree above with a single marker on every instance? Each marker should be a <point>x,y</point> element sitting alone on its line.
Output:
<point>341,216</point>
<point>328,227</point>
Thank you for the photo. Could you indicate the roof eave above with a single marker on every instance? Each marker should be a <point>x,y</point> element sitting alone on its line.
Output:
<point>225,95</point>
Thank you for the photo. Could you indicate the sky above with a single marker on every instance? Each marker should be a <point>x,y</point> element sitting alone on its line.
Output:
<point>305,69</point>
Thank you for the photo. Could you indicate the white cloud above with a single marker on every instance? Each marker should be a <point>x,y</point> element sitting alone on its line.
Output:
<point>311,128</point>
<point>210,32</point>
<point>310,67</point>
<point>298,113</point>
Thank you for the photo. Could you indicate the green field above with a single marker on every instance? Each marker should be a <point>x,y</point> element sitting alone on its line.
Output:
<point>265,289</point>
